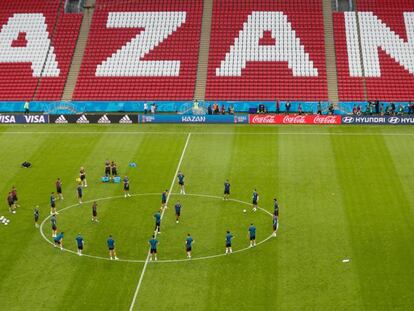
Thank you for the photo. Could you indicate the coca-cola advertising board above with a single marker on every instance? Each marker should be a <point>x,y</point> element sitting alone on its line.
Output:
<point>293,119</point>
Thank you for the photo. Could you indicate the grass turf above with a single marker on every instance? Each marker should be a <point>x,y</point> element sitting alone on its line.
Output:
<point>344,191</point>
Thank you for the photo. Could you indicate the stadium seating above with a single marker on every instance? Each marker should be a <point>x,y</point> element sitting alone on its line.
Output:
<point>245,63</point>
<point>388,53</point>
<point>123,61</point>
<point>29,69</point>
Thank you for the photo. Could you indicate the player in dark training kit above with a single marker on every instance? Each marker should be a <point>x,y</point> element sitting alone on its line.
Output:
<point>229,237</point>
<point>177,207</point>
<point>107,168</point>
<point>255,199</point>
<point>275,207</point>
<point>53,222</point>
<point>59,240</point>
<point>180,177</point>
<point>36,217</point>
<point>252,235</point>
<point>275,224</point>
<point>226,190</point>
<point>53,204</point>
<point>114,169</point>
<point>10,201</point>
<point>157,217</point>
<point>126,187</point>
<point>153,248</point>
<point>14,195</point>
<point>188,245</point>
<point>95,212</point>
<point>79,193</point>
<point>59,188</point>
<point>111,247</point>
<point>79,244</point>
<point>164,196</point>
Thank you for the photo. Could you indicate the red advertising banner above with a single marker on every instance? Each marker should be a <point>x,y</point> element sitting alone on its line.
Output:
<point>293,119</point>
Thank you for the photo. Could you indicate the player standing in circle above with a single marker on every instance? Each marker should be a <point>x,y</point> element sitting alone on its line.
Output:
<point>275,224</point>
<point>252,235</point>
<point>79,243</point>
<point>95,212</point>
<point>59,189</point>
<point>255,199</point>
<point>53,222</point>
<point>188,245</point>
<point>180,177</point>
<point>107,168</point>
<point>82,176</point>
<point>14,195</point>
<point>114,169</point>
<point>36,217</point>
<point>111,248</point>
<point>79,193</point>
<point>10,201</point>
<point>126,187</point>
<point>226,190</point>
<point>53,204</point>
<point>229,237</point>
<point>275,207</point>
<point>157,228</point>
<point>177,211</point>
<point>164,199</point>
<point>153,248</point>
<point>59,240</point>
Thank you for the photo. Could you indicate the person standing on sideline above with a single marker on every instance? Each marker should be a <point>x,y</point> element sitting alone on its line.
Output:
<point>26,107</point>
<point>145,108</point>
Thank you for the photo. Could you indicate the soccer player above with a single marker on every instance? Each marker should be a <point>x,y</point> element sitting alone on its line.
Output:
<point>229,237</point>
<point>226,190</point>
<point>252,235</point>
<point>164,196</point>
<point>111,247</point>
<point>180,177</point>
<point>255,199</point>
<point>36,217</point>
<point>153,248</point>
<point>157,217</point>
<point>126,186</point>
<point>79,243</point>
<point>177,211</point>
<point>79,193</point>
<point>53,222</point>
<point>95,212</point>
<point>82,176</point>
<point>59,189</point>
<point>10,201</point>
<point>59,240</point>
<point>275,207</point>
<point>188,245</point>
<point>114,169</point>
<point>275,224</point>
<point>14,195</point>
<point>53,204</point>
<point>107,168</point>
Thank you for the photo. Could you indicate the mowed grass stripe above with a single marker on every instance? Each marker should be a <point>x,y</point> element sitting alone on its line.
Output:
<point>379,221</point>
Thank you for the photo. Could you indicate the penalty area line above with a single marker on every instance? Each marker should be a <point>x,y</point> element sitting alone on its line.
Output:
<point>144,269</point>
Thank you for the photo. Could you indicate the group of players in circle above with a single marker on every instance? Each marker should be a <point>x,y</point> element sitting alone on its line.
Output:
<point>111,172</point>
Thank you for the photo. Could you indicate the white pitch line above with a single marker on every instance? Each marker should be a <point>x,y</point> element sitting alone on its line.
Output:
<point>162,214</point>
<point>221,133</point>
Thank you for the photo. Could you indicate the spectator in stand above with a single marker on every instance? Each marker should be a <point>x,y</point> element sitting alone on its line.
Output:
<point>319,108</point>
<point>287,107</point>
<point>145,108</point>
<point>392,109</point>
<point>381,109</point>
<point>354,110</point>
<point>223,109</point>
<point>300,110</point>
<point>26,107</point>
<point>209,110</point>
<point>277,106</point>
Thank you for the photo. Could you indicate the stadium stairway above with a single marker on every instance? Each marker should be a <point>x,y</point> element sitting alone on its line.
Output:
<point>79,50</point>
<point>200,88</point>
<point>331,73</point>
<point>364,81</point>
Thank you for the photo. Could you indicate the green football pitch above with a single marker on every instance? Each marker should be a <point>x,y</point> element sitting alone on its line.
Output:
<point>345,193</point>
